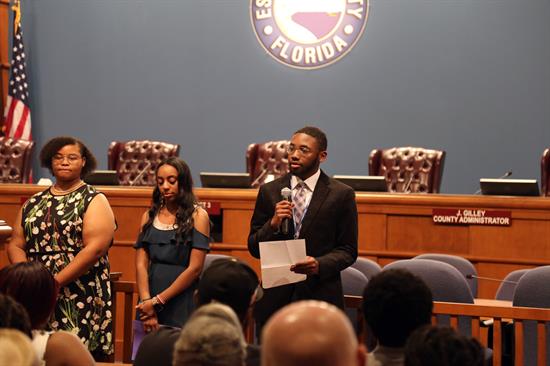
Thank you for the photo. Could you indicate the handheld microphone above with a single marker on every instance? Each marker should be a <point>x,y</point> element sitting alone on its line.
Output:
<point>286,193</point>
<point>141,172</point>
<point>505,175</point>
<point>470,276</point>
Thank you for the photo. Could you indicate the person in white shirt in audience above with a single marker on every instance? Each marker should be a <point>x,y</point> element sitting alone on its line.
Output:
<point>34,287</point>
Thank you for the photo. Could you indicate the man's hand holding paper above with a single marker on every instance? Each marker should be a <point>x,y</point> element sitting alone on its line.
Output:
<point>277,259</point>
<point>308,267</point>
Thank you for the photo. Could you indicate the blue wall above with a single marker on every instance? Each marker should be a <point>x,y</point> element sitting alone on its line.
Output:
<point>468,76</point>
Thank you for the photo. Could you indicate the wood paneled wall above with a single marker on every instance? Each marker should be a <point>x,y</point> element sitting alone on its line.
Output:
<point>391,227</point>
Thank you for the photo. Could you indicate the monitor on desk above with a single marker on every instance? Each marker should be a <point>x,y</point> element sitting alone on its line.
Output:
<point>225,180</point>
<point>365,183</point>
<point>102,178</point>
<point>509,187</point>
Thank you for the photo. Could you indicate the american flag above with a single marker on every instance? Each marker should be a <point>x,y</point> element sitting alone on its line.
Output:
<point>17,113</point>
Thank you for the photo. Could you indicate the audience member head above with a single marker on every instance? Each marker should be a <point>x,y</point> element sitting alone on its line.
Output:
<point>306,151</point>
<point>211,337</point>
<point>16,349</point>
<point>310,333</point>
<point>51,154</point>
<point>395,303</point>
<point>433,346</point>
<point>33,286</point>
<point>230,282</point>
<point>14,316</point>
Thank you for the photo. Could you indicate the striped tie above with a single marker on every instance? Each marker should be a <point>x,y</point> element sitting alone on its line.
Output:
<point>299,201</point>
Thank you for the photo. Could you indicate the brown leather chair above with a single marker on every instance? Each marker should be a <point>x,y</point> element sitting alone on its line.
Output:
<point>545,173</point>
<point>408,169</point>
<point>132,158</point>
<point>265,159</point>
<point>15,160</point>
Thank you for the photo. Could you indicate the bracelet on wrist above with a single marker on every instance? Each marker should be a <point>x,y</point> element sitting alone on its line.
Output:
<point>161,300</point>
<point>157,305</point>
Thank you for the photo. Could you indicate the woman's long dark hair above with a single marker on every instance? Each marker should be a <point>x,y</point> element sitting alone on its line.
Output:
<point>185,199</point>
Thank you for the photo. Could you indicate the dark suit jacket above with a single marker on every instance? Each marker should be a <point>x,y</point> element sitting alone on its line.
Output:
<point>330,230</point>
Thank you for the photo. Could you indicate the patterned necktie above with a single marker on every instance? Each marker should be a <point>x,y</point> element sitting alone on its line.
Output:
<point>299,201</point>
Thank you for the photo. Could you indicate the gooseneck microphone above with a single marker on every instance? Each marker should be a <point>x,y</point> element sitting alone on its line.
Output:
<point>505,175</point>
<point>407,185</point>
<point>470,276</point>
<point>286,193</point>
<point>258,178</point>
<point>141,172</point>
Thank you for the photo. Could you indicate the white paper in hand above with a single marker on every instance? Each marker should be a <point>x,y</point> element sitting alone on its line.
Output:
<point>276,257</point>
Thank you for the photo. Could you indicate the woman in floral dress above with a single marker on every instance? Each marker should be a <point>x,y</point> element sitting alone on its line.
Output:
<point>69,228</point>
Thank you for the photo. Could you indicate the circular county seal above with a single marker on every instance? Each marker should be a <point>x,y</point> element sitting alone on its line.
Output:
<point>308,34</point>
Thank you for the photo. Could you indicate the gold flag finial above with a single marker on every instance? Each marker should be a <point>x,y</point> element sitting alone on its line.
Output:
<point>17,15</point>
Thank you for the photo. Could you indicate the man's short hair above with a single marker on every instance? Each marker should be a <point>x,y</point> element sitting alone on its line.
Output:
<point>395,303</point>
<point>211,337</point>
<point>316,133</point>
<point>442,346</point>
<point>230,282</point>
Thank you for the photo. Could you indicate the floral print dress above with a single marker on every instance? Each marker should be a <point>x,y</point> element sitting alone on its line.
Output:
<point>52,227</point>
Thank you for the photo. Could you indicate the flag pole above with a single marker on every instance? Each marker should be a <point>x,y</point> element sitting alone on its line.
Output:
<point>17,14</point>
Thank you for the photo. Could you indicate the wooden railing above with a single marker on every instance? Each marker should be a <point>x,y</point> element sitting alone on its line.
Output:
<point>126,289</point>
<point>499,315</point>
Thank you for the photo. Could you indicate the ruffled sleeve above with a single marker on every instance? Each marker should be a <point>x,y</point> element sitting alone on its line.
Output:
<point>200,241</point>
<point>139,242</point>
<point>154,236</point>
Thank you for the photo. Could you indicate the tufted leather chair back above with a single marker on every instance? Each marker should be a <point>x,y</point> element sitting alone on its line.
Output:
<point>130,158</point>
<point>545,173</point>
<point>15,160</point>
<point>408,169</point>
<point>264,159</point>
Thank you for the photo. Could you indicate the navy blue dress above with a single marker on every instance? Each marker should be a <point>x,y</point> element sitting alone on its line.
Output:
<point>168,258</point>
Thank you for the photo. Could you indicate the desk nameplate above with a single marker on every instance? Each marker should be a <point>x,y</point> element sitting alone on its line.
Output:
<point>456,216</point>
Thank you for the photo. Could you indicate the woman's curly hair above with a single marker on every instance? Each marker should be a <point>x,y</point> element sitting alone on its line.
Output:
<point>57,143</point>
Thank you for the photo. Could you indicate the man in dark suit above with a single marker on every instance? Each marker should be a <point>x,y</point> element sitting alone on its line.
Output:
<point>322,211</point>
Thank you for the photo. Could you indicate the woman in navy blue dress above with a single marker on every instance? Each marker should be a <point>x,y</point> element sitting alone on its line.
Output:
<point>171,248</point>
